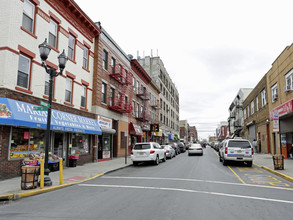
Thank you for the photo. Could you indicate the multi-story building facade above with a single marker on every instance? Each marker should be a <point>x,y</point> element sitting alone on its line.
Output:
<point>280,102</point>
<point>222,131</point>
<point>236,120</point>
<point>24,82</point>
<point>184,130</point>
<point>169,97</point>
<point>256,116</point>
<point>193,134</point>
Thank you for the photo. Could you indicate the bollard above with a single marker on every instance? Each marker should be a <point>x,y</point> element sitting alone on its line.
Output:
<point>60,171</point>
<point>42,174</point>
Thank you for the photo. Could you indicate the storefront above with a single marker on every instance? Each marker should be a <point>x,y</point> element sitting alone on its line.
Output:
<point>105,141</point>
<point>146,133</point>
<point>70,134</point>
<point>135,133</point>
<point>158,136</point>
<point>285,120</point>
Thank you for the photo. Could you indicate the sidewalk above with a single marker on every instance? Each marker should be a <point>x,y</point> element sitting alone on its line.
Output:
<point>10,189</point>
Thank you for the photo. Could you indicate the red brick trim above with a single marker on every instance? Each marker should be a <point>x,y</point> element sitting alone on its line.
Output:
<point>36,2</point>
<point>47,97</point>
<point>30,33</point>
<point>26,51</point>
<point>72,32</point>
<point>86,69</point>
<point>23,90</point>
<point>9,49</point>
<point>73,61</point>
<point>69,104</point>
<point>78,43</point>
<point>92,54</point>
<point>85,109</point>
<point>53,48</point>
<point>87,45</point>
<point>43,15</point>
<point>70,75</point>
<point>63,31</point>
<point>54,17</point>
<point>50,64</point>
<point>85,82</point>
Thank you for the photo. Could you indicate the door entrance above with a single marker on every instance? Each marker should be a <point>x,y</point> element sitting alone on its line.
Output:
<point>58,145</point>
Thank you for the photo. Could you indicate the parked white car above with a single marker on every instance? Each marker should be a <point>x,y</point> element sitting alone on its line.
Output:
<point>195,149</point>
<point>236,150</point>
<point>170,152</point>
<point>148,151</point>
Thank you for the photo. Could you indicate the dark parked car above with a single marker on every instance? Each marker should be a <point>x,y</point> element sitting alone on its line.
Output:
<point>181,147</point>
<point>176,148</point>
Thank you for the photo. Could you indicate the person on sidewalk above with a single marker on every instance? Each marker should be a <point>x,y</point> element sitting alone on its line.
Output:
<point>254,144</point>
<point>291,152</point>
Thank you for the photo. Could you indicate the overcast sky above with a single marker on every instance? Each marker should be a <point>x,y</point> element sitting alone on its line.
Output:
<point>210,48</point>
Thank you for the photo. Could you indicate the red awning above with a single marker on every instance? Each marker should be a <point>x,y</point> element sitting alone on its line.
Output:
<point>135,129</point>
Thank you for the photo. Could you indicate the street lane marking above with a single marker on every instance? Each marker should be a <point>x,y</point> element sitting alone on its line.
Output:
<point>195,180</point>
<point>189,191</point>
<point>236,175</point>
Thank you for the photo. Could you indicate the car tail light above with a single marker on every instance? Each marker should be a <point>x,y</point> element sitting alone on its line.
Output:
<point>131,153</point>
<point>199,149</point>
<point>252,151</point>
<point>152,152</point>
<point>226,150</point>
<point>167,151</point>
<point>190,149</point>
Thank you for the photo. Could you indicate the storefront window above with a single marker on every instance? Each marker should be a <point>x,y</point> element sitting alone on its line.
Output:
<point>80,144</point>
<point>26,141</point>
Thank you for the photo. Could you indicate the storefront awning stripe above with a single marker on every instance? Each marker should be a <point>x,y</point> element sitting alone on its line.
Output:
<point>13,112</point>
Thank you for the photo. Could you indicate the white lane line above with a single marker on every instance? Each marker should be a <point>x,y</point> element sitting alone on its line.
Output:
<point>187,190</point>
<point>195,180</point>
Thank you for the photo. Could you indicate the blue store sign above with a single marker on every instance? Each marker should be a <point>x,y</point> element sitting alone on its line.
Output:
<point>13,112</point>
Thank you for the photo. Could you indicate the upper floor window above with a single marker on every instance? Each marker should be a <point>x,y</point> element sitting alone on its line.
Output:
<point>289,81</point>
<point>256,100</point>
<point>53,33</point>
<point>104,88</point>
<point>244,112</point>
<point>133,105</point>
<point>133,84</point>
<point>274,92</point>
<point>24,65</point>
<point>68,90</point>
<point>252,107</point>
<point>28,16</point>
<point>71,46</point>
<point>247,111</point>
<point>85,61</point>
<point>47,77</point>
<point>105,60</point>
<point>113,63</point>
<point>263,98</point>
<point>112,94</point>
<point>83,96</point>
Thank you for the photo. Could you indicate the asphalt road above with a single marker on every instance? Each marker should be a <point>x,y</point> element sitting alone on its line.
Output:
<point>195,187</point>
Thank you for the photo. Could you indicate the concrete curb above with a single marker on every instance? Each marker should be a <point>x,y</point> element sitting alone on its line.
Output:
<point>289,178</point>
<point>51,188</point>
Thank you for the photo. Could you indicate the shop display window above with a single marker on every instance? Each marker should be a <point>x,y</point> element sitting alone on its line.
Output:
<point>25,141</point>
<point>80,144</point>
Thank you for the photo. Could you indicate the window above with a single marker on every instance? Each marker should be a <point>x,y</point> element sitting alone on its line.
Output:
<point>244,112</point>
<point>112,94</point>
<point>80,144</point>
<point>104,89</point>
<point>274,92</point>
<point>53,33</point>
<point>68,90</point>
<point>247,111</point>
<point>137,110</point>
<point>263,98</point>
<point>105,60</point>
<point>83,96</point>
<point>71,46</point>
<point>28,16</point>
<point>252,107</point>
<point>256,99</point>
<point>289,81</point>
<point>137,87</point>
<point>47,77</point>
<point>133,84</point>
<point>133,105</point>
<point>85,57</point>
<point>24,65</point>
<point>113,62</point>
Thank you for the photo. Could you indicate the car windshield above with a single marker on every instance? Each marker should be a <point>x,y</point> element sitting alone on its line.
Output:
<point>142,146</point>
<point>241,144</point>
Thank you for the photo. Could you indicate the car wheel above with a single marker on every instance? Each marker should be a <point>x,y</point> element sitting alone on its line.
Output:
<point>157,161</point>
<point>249,163</point>
<point>220,158</point>
<point>135,163</point>
<point>201,154</point>
<point>164,158</point>
<point>224,162</point>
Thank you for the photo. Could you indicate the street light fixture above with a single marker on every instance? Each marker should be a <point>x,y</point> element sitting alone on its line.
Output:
<point>45,49</point>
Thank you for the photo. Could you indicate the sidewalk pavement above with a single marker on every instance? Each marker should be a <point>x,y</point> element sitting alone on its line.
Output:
<point>10,189</point>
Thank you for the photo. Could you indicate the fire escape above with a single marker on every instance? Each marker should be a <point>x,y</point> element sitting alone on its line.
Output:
<point>119,102</point>
<point>156,106</point>
<point>143,114</point>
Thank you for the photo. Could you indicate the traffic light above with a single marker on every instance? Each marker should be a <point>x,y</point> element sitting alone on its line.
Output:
<point>154,127</point>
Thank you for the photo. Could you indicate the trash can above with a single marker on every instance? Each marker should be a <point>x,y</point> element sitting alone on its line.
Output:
<point>278,162</point>
<point>29,177</point>
<point>73,160</point>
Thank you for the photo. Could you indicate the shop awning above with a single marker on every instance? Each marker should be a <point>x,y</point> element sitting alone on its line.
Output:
<point>176,136</point>
<point>159,133</point>
<point>135,129</point>
<point>108,130</point>
<point>13,112</point>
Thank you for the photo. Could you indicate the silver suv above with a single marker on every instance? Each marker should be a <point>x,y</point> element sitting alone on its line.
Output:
<point>236,150</point>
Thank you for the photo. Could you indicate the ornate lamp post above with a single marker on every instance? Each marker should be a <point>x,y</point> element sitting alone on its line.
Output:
<point>45,49</point>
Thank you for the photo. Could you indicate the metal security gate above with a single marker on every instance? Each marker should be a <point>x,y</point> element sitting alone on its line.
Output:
<point>252,135</point>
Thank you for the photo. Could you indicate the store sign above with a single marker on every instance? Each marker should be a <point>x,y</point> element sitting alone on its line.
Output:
<point>276,122</point>
<point>283,109</point>
<point>13,112</point>
<point>106,154</point>
<point>104,122</point>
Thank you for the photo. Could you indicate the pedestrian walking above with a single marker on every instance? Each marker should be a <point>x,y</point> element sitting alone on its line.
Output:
<point>291,152</point>
<point>254,144</point>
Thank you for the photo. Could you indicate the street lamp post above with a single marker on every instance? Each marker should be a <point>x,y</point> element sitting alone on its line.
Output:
<point>45,49</point>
